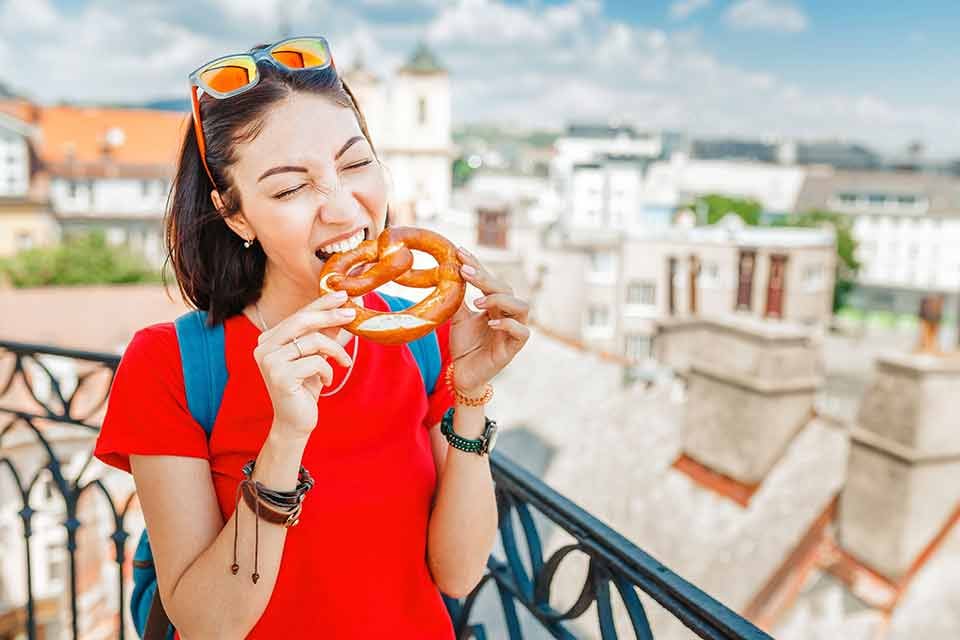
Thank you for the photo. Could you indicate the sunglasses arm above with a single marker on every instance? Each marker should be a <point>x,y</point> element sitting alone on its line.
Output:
<point>198,131</point>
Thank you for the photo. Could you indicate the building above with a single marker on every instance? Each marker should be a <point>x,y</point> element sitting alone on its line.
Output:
<point>679,181</point>
<point>907,225</point>
<point>597,174</point>
<point>409,119</point>
<point>97,168</point>
<point>611,289</point>
<point>25,217</point>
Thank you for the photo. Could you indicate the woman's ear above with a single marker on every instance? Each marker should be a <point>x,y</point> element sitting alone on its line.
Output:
<point>236,222</point>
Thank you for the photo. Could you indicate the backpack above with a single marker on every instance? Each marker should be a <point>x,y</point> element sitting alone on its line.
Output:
<point>204,377</point>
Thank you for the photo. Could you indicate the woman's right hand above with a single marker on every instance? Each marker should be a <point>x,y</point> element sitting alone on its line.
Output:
<point>294,382</point>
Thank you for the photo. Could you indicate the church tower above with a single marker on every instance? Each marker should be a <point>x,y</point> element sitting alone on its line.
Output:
<point>419,150</point>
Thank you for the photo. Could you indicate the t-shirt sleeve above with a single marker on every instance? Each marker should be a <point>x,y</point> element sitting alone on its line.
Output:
<point>147,411</point>
<point>441,399</point>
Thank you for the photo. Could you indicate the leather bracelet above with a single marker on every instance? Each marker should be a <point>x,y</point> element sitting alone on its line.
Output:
<point>279,507</point>
<point>288,518</point>
<point>304,481</point>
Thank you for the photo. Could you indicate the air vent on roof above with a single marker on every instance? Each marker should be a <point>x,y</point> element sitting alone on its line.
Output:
<point>115,137</point>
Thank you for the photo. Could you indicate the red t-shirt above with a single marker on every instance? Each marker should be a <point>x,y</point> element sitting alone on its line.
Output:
<point>355,566</point>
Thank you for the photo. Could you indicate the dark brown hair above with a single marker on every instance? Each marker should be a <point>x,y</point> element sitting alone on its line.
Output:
<point>214,271</point>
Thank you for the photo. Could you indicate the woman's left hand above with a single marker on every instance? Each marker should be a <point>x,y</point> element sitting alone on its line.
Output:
<point>479,349</point>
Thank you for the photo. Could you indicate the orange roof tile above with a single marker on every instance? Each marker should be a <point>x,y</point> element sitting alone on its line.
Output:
<point>143,136</point>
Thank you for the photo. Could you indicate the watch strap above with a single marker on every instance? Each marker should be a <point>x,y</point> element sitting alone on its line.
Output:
<point>477,445</point>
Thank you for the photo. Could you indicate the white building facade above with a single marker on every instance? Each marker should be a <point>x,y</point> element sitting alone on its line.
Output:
<point>409,119</point>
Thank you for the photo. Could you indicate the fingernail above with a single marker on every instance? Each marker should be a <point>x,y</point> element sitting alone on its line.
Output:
<point>493,323</point>
<point>346,313</point>
<point>482,300</point>
<point>340,295</point>
<point>470,271</point>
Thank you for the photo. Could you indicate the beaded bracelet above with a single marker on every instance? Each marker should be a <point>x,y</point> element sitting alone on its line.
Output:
<point>278,507</point>
<point>465,400</point>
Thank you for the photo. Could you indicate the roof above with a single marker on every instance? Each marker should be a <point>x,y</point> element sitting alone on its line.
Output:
<point>98,141</point>
<point>823,183</point>
<point>586,130</point>
<point>142,136</point>
<point>422,61</point>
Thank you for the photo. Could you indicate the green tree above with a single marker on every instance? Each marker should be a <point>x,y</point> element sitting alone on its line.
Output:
<point>714,207</point>
<point>847,264</point>
<point>461,172</point>
<point>81,259</point>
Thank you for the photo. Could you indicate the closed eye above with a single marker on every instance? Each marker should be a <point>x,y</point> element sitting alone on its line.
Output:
<point>358,164</point>
<point>284,194</point>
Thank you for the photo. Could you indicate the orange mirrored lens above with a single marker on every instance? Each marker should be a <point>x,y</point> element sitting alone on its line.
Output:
<point>301,54</point>
<point>228,75</point>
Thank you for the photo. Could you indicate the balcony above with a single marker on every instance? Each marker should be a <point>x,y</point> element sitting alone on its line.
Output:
<point>69,506</point>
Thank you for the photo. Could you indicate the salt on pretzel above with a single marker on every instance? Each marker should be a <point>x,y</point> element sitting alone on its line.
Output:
<point>392,259</point>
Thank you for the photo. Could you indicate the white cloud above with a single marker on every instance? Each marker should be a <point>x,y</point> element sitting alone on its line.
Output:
<point>29,15</point>
<point>683,9</point>
<point>771,15</point>
<point>532,65</point>
<point>492,21</point>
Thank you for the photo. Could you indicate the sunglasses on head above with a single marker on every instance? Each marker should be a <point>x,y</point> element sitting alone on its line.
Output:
<point>230,75</point>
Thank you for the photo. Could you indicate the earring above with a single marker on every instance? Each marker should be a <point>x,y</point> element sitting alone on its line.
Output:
<point>247,243</point>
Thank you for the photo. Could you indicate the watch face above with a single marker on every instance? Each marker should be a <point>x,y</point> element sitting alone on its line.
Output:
<point>492,434</point>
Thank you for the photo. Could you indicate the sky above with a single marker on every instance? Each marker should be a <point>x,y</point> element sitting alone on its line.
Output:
<point>879,72</point>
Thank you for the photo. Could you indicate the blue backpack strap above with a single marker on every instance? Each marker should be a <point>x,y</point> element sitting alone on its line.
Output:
<point>204,366</point>
<point>426,350</point>
<point>204,379</point>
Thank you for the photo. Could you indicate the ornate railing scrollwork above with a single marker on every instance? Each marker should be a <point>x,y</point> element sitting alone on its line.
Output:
<point>521,577</point>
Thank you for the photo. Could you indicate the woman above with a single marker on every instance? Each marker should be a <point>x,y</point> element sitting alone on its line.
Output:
<point>277,167</point>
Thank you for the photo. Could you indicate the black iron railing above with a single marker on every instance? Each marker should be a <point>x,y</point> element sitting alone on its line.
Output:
<point>523,579</point>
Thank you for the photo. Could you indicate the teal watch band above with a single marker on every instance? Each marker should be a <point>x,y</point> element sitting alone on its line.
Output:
<point>481,445</point>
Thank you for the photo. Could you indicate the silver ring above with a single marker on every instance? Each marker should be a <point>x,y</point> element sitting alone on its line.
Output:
<point>297,345</point>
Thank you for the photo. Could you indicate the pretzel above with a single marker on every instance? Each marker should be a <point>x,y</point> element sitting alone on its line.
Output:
<point>393,261</point>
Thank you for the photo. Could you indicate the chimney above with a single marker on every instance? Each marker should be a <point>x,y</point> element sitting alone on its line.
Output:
<point>903,471</point>
<point>751,388</point>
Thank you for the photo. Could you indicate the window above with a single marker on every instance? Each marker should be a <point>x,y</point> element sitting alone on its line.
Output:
<point>710,275</point>
<point>602,268</point>
<point>71,189</point>
<point>145,188</point>
<point>813,277</point>
<point>422,110</point>
<point>638,347</point>
<point>598,317</point>
<point>56,564</point>
<point>24,241</point>
<point>642,293</point>
<point>492,228</point>
<point>601,262</point>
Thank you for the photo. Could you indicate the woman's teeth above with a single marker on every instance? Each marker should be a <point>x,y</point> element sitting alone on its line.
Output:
<point>344,245</point>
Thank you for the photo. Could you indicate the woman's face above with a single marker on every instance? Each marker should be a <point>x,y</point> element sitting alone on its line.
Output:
<point>308,178</point>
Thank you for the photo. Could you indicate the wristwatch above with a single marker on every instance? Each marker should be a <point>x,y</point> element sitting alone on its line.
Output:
<point>481,446</point>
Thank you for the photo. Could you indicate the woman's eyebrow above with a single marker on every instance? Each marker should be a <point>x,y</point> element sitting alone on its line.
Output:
<point>283,169</point>
<point>347,145</point>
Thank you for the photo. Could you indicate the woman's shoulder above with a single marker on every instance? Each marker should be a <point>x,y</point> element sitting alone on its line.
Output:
<point>152,339</point>
<point>153,351</point>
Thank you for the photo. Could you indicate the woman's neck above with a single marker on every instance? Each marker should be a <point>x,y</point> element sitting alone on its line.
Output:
<point>274,308</point>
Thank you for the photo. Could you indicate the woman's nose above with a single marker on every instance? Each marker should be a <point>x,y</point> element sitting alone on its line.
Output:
<point>338,207</point>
